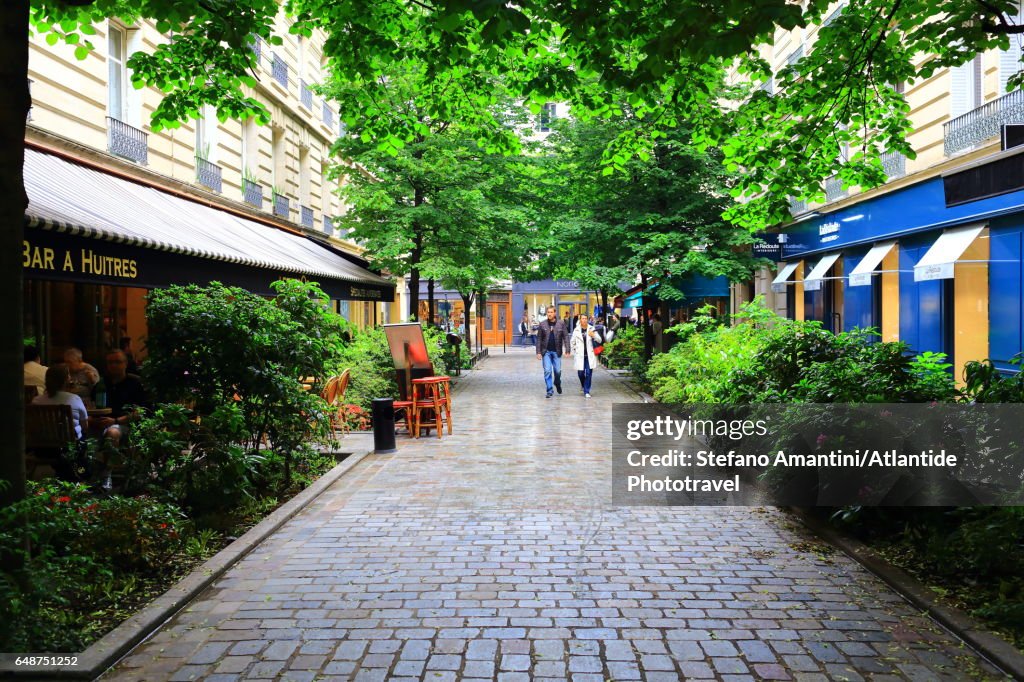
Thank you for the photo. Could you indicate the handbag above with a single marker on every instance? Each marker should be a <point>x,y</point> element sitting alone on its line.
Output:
<point>598,349</point>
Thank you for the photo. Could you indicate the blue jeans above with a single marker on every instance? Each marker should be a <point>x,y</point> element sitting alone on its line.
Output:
<point>552,370</point>
<point>586,374</point>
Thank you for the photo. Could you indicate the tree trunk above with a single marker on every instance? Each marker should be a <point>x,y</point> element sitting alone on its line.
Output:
<point>430,301</point>
<point>604,306</point>
<point>467,300</point>
<point>645,320</point>
<point>414,271</point>
<point>13,112</point>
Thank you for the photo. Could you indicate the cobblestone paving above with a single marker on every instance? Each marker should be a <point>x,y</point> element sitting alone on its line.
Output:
<point>494,554</point>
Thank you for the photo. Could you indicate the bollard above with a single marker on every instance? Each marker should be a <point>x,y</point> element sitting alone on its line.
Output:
<point>383,414</point>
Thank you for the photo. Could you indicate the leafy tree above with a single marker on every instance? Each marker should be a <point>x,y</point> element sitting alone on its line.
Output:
<point>671,56</point>
<point>658,219</point>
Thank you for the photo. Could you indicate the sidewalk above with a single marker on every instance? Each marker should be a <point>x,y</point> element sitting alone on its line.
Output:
<point>495,554</point>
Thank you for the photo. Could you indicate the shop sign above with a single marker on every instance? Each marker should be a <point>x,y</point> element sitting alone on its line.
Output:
<point>931,272</point>
<point>70,262</point>
<point>861,279</point>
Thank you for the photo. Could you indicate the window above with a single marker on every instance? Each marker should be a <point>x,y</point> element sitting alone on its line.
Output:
<point>548,113</point>
<point>117,74</point>
<point>304,175</point>
<point>965,93</point>
<point>250,147</point>
<point>279,160</point>
<point>1009,59</point>
<point>206,134</point>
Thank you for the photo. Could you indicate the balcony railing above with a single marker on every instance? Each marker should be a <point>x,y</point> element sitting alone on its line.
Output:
<point>281,207</point>
<point>833,16</point>
<point>768,86</point>
<point>280,71</point>
<point>328,116</point>
<point>795,56</point>
<point>253,193</point>
<point>834,188</point>
<point>127,142</point>
<point>328,225</point>
<point>974,127</point>
<point>797,206</point>
<point>28,116</point>
<point>208,174</point>
<point>307,216</point>
<point>256,45</point>
<point>894,164</point>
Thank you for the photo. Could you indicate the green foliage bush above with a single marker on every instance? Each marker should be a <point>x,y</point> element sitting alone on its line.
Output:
<point>768,359</point>
<point>627,345</point>
<point>72,548</point>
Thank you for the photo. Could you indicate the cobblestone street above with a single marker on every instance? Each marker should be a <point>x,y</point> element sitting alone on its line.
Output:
<point>495,554</point>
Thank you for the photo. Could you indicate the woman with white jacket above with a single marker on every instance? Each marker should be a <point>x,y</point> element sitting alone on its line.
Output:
<point>584,338</point>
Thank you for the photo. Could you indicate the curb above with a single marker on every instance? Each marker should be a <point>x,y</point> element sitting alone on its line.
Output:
<point>109,649</point>
<point>996,650</point>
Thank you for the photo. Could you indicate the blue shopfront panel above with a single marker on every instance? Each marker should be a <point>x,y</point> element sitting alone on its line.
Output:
<point>1006,305</point>
<point>858,302</point>
<point>814,304</point>
<point>924,312</point>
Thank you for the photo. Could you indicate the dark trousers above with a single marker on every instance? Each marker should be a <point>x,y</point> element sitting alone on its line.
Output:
<point>586,374</point>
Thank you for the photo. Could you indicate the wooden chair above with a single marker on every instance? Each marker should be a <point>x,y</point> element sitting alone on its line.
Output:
<point>432,394</point>
<point>49,431</point>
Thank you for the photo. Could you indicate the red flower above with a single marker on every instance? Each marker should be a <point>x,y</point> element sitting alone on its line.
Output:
<point>62,498</point>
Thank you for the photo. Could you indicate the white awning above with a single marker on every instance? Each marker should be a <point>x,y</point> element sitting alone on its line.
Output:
<point>78,200</point>
<point>861,275</point>
<point>938,262</point>
<point>779,283</point>
<point>813,280</point>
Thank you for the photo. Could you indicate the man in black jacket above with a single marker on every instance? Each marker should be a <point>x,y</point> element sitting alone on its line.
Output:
<point>552,342</point>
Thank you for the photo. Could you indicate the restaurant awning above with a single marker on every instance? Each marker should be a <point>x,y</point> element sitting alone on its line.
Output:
<point>88,225</point>
<point>779,283</point>
<point>937,262</point>
<point>813,280</point>
<point>861,275</point>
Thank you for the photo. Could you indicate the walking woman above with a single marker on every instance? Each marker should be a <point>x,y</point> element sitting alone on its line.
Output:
<point>584,338</point>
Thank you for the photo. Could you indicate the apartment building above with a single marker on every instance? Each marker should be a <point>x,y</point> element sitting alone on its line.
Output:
<point>933,256</point>
<point>117,209</point>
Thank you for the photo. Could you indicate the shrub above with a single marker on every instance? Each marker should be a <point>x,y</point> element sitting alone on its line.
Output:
<point>214,346</point>
<point>627,345</point>
<point>68,544</point>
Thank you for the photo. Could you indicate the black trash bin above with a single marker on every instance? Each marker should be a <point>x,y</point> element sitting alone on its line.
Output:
<point>383,413</point>
<point>455,343</point>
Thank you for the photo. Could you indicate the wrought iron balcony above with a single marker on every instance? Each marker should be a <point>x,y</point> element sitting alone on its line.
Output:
<point>768,86</point>
<point>256,45</point>
<point>280,70</point>
<point>328,225</point>
<point>208,174</point>
<point>307,216</point>
<point>328,116</point>
<point>834,188</point>
<point>127,142</point>
<point>305,95</point>
<point>894,164</point>
<point>974,127</point>
<point>833,16</point>
<point>795,56</point>
<point>281,207</point>
<point>253,193</point>
<point>28,116</point>
<point>797,206</point>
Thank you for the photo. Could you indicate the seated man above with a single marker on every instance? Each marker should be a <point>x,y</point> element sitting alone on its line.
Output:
<point>35,373</point>
<point>83,375</point>
<point>124,393</point>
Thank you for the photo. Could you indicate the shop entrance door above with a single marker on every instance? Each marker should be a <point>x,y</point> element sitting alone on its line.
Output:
<point>497,323</point>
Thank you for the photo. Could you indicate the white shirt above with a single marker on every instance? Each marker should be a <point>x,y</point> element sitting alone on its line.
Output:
<point>78,412</point>
<point>35,375</point>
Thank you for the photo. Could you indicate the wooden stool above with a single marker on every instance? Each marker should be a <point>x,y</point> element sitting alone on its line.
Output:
<point>405,406</point>
<point>432,393</point>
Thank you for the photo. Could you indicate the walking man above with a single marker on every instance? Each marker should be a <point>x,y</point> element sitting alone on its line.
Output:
<point>552,341</point>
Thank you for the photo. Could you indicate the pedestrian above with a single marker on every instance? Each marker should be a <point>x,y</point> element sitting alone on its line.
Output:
<point>552,341</point>
<point>656,330</point>
<point>613,322</point>
<point>584,338</point>
<point>524,331</point>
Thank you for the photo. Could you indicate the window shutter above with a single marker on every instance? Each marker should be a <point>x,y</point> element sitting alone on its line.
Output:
<point>962,90</point>
<point>1009,59</point>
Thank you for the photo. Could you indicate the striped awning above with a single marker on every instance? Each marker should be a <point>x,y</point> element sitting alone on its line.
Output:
<point>73,199</point>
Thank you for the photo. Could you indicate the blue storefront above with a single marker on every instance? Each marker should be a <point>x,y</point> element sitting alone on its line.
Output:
<point>936,264</point>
